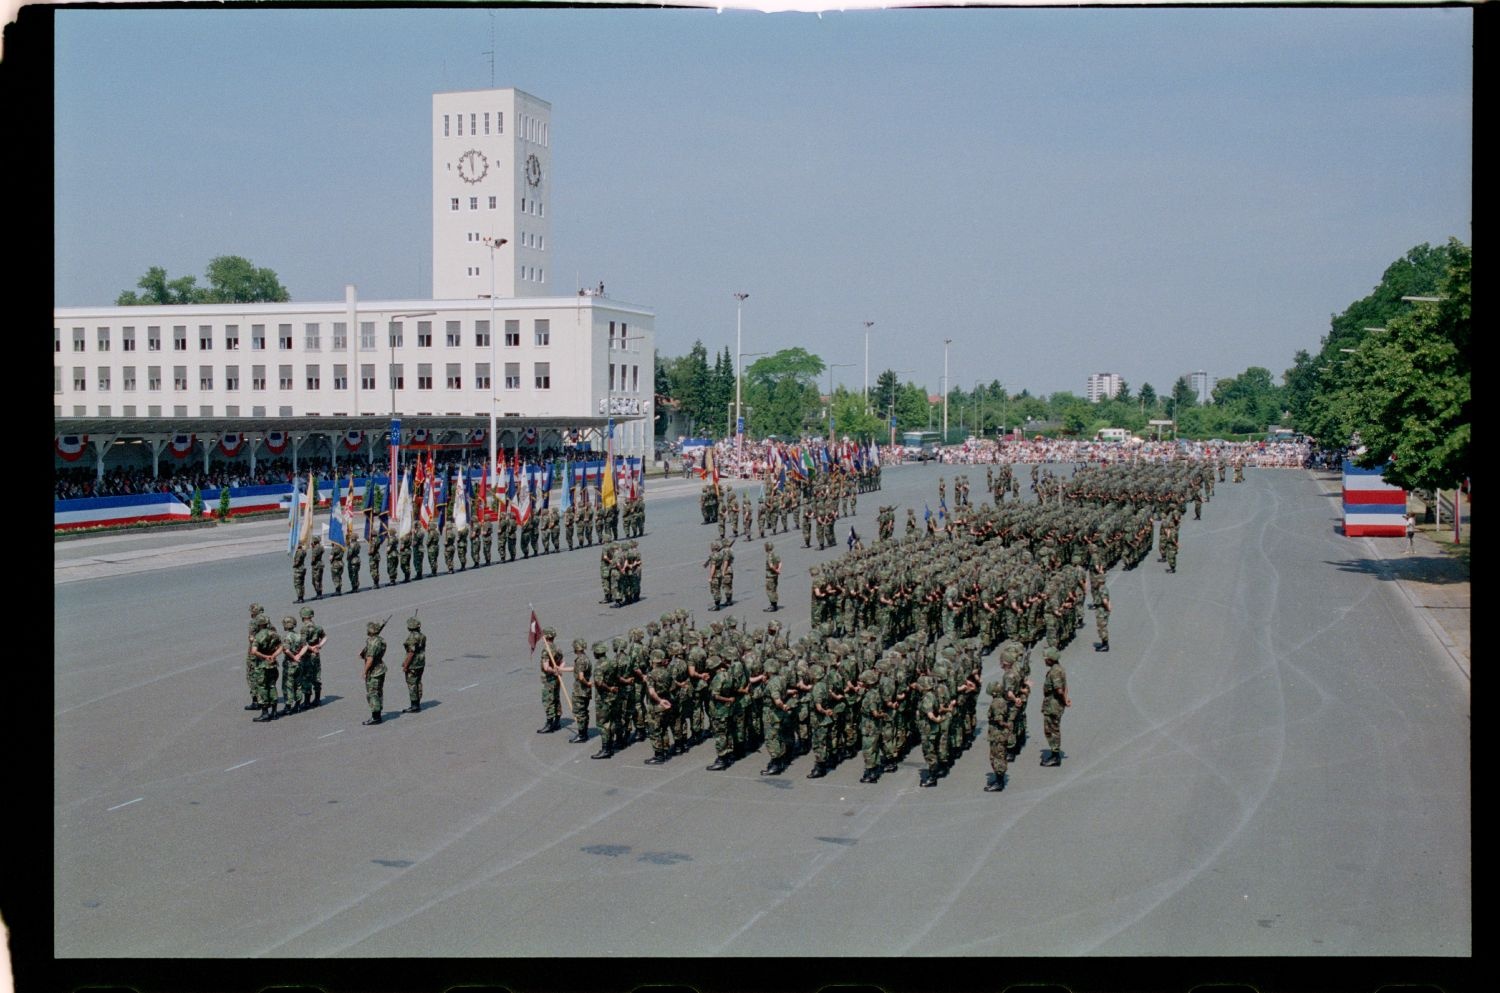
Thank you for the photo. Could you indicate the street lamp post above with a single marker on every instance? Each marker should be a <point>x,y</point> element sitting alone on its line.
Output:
<point>493,243</point>
<point>946,343</point>
<point>739,307</point>
<point>868,326</point>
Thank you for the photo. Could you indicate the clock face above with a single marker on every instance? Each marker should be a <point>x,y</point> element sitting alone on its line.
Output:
<point>533,170</point>
<point>472,166</point>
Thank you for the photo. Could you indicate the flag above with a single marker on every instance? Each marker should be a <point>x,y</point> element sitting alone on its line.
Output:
<point>607,484</point>
<point>943,510</point>
<point>336,517</point>
<point>547,485</point>
<point>484,493</point>
<point>404,511</point>
<point>429,500</point>
<point>521,509</point>
<point>926,513</point>
<point>293,520</point>
<point>567,487</point>
<point>533,632</point>
<point>460,506</point>
<point>807,464</point>
<point>367,505</point>
<point>312,505</point>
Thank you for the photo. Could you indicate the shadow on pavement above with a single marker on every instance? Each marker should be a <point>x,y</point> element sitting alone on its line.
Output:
<point>1408,568</point>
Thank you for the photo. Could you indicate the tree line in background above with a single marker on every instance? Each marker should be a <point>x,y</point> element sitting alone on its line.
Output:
<point>1392,374</point>
<point>231,279</point>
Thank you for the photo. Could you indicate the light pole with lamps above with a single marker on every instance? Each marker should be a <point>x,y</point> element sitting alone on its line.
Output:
<point>739,307</point>
<point>493,243</point>
<point>836,365</point>
<point>868,326</point>
<point>946,343</point>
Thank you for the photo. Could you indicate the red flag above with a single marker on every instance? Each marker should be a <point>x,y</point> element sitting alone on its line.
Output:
<point>533,632</point>
<point>484,506</point>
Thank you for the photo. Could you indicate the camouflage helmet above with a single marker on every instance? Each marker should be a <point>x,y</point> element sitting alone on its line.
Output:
<point>548,633</point>
<point>715,660</point>
<point>256,608</point>
<point>636,634</point>
<point>317,540</point>
<point>307,613</point>
<point>372,628</point>
<point>697,654</point>
<point>1011,652</point>
<point>413,624</point>
<point>869,677</point>
<point>1049,654</point>
<point>617,643</point>
<point>579,645</point>
<point>658,657</point>
<point>289,622</point>
<point>261,621</point>
<point>653,627</point>
<point>770,546</point>
<point>774,628</point>
<point>815,671</point>
<point>731,622</point>
<point>600,649</point>
<point>994,688</point>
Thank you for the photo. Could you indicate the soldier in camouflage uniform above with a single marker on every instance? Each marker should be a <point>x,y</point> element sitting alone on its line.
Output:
<point>314,637</point>
<point>373,655</point>
<point>722,695</point>
<point>476,539</point>
<point>773,577</point>
<point>1101,612</point>
<point>448,536</point>
<point>607,685</point>
<point>658,702</point>
<point>872,715</point>
<point>607,573</point>
<point>418,549</point>
<point>1055,699</point>
<point>316,563</point>
<point>265,646</point>
<point>415,663</point>
<point>299,570</point>
<point>355,562</point>
<point>569,519</point>
<point>551,676</point>
<point>582,692</point>
<point>377,540</point>
<point>434,544</point>
<point>252,662</point>
<point>292,651</point>
<point>486,539</point>
<point>336,566</point>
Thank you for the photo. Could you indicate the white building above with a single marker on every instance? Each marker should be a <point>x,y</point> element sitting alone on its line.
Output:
<point>1103,385</point>
<point>1203,385</point>
<point>125,372</point>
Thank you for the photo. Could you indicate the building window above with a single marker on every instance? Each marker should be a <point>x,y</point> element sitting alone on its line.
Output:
<point>205,338</point>
<point>424,334</point>
<point>512,334</point>
<point>258,337</point>
<point>367,377</point>
<point>486,122</point>
<point>127,379</point>
<point>104,410</point>
<point>284,335</point>
<point>78,343</point>
<point>460,124</point>
<point>424,375</point>
<point>541,275</point>
<point>482,334</point>
<point>258,378</point>
<point>80,379</point>
<point>313,382</point>
<point>312,339</point>
<point>285,376</point>
<point>482,376</point>
<point>543,332</point>
<point>611,377</point>
<point>445,126</point>
<point>57,379</point>
<point>153,338</point>
<point>366,336</point>
<point>394,332</point>
<point>205,377</point>
<point>544,375</point>
<point>512,375</point>
<point>153,378</point>
<point>492,203</point>
<point>473,120</point>
<point>453,203</point>
<point>127,339</point>
<point>232,378</point>
<point>455,334</point>
<point>231,337</point>
<point>473,203</point>
<point>635,379</point>
<point>340,336</point>
<point>104,339</point>
<point>499,122</point>
<point>398,378</point>
<point>541,209</point>
<point>179,378</point>
<point>179,337</point>
<point>340,377</point>
<point>57,339</point>
<point>455,376</point>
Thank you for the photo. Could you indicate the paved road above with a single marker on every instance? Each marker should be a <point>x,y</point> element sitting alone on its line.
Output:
<point>1274,760</point>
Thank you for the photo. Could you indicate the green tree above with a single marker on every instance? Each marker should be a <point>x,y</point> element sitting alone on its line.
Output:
<point>691,387</point>
<point>782,390</point>
<point>1408,392</point>
<point>231,279</point>
<point>1183,397</point>
<point>1147,399</point>
<point>1251,398</point>
<point>196,510</point>
<point>223,504</point>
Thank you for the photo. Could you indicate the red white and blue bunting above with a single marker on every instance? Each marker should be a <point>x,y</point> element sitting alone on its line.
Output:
<point>231,443</point>
<point>528,437</point>
<point>276,441</point>
<point>476,437</point>
<point>181,445</point>
<point>353,439</point>
<point>419,436</point>
<point>70,446</point>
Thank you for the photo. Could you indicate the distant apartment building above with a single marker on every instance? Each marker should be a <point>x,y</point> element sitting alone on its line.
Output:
<point>1103,385</point>
<point>1203,385</point>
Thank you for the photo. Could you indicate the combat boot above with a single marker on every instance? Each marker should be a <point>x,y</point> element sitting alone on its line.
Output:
<point>926,778</point>
<point>317,694</point>
<point>889,767</point>
<point>819,770</point>
<point>1054,758</point>
<point>773,769</point>
<point>252,705</point>
<point>720,764</point>
<point>604,752</point>
<point>657,758</point>
<point>870,776</point>
<point>996,783</point>
<point>579,736</point>
<point>293,707</point>
<point>414,708</point>
<point>375,718</point>
<point>265,715</point>
<point>1103,647</point>
<point>548,727</point>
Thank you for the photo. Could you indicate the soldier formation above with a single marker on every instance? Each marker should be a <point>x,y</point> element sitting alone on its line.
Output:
<point>284,672</point>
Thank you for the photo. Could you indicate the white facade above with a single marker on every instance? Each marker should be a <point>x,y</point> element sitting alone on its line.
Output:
<point>1203,385</point>
<point>491,172</point>
<point>582,356</point>
<point>1103,385</point>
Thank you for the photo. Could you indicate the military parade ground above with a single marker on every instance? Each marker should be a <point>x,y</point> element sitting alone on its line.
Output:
<point>1271,760</point>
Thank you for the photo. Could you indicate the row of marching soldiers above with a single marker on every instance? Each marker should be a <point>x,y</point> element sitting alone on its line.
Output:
<point>675,685</point>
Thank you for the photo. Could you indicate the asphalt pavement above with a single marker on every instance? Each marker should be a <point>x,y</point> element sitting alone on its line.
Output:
<point>1273,760</point>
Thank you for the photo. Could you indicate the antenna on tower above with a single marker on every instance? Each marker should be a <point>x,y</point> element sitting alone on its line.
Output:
<point>491,52</point>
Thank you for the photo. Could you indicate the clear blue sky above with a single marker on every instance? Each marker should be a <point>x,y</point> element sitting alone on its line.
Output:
<point>1059,191</point>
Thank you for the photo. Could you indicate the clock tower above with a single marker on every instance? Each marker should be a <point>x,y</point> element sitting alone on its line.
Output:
<point>491,177</point>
